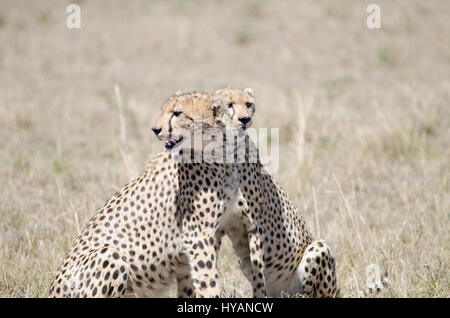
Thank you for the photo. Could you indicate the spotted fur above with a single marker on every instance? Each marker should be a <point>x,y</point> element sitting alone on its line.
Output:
<point>290,261</point>
<point>160,229</point>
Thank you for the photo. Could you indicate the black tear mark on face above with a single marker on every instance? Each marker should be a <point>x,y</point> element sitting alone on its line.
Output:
<point>230,106</point>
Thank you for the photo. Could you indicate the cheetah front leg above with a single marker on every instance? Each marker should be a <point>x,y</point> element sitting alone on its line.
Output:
<point>257,259</point>
<point>185,285</point>
<point>201,251</point>
<point>255,241</point>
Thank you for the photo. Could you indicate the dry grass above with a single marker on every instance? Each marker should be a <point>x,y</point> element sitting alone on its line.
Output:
<point>364,118</point>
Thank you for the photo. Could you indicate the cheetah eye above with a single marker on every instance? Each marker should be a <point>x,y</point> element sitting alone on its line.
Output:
<point>248,104</point>
<point>177,113</point>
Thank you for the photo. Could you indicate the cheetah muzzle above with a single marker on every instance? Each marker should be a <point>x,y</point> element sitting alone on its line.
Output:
<point>173,142</point>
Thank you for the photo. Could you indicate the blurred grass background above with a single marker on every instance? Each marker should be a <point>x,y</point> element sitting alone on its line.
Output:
<point>364,119</point>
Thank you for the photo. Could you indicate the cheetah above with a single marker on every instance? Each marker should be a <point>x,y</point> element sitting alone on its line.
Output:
<point>293,262</point>
<point>160,229</point>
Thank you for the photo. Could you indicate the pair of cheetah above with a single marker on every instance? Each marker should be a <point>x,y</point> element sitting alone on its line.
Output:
<point>292,262</point>
<point>166,226</point>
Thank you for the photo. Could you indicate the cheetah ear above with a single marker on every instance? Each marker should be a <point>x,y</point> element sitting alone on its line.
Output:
<point>217,104</point>
<point>249,91</point>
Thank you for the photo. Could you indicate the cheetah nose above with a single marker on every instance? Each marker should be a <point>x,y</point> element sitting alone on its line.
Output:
<point>156,130</point>
<point>244,119</point>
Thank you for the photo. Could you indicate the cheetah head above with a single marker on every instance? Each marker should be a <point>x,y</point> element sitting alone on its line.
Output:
<point>233,108</point>
<point>182,113</point>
